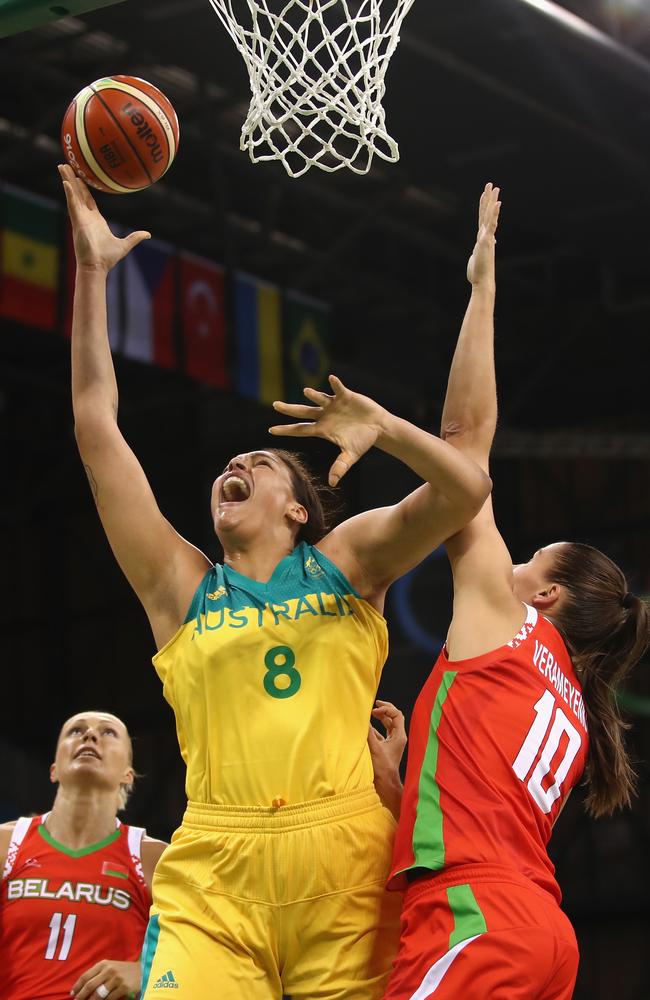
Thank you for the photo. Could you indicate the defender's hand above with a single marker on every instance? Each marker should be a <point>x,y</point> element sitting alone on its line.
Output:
<point>95,246</point>
<point>481,263</point>
<point>387,752</point>
<point>348,419</point>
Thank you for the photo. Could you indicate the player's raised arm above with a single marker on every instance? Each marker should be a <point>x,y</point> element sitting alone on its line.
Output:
<point>162,567</point>
<point>480,561</point>
<point>469,416</point>
<point>378,546</point>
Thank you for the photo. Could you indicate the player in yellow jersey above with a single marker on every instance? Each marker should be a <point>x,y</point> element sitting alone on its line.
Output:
<point>271,661</point>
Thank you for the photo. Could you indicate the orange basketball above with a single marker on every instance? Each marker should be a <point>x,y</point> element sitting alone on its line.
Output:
<point>120,134</point>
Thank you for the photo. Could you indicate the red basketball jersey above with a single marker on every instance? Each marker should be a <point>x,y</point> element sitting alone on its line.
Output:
<point>496,744</point>
<point>61,911</point>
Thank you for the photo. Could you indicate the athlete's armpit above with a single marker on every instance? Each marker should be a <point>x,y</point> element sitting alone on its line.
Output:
<point>93,483</point>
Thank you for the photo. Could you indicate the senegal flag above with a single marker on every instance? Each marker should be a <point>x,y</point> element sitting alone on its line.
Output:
<point>29,258</point>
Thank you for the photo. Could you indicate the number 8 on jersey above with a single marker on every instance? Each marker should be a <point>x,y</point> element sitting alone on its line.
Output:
<point>281,680</point>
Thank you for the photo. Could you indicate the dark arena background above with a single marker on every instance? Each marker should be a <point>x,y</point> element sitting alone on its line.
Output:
<point>368,274</point>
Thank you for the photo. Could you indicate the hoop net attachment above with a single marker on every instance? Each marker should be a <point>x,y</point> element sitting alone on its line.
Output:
<point>317,73</point>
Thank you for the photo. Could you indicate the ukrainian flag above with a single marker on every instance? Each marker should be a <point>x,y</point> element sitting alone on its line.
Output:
<point>258,328</point>
<point>29,259</point>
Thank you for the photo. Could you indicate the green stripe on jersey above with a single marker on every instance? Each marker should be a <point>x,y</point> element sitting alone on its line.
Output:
<point>428,840</point>
<point>468,916</point>
<point>79,852</point>
<point>115,874</point>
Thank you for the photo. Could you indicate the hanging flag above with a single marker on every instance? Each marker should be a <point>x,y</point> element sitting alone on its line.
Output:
<point>307,337</point>
<point>203,320</point>
<point>259,339</point>
<point>148,304</point>
<point>114,291</point>
<point>29,258</point>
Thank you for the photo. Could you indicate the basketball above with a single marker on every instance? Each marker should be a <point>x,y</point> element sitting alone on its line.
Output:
<point>120,134</point>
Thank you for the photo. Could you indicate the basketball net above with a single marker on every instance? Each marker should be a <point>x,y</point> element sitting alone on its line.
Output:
<point>317,73</point>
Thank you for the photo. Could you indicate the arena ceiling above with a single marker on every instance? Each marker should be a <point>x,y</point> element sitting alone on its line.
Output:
<point>478,90</point>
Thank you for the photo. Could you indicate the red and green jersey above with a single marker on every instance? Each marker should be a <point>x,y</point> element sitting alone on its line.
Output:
<point>62,910</point>
<point>496,744</point>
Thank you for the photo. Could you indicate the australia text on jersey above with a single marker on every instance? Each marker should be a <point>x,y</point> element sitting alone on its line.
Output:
<point>549,667</point>
<point>76,892</point>
<point>318,605</point>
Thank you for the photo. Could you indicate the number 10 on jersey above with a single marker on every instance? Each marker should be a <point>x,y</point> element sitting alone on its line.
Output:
<point>545,797</point>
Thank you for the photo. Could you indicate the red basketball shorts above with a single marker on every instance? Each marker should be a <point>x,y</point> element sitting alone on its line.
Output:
<point>483,933</point>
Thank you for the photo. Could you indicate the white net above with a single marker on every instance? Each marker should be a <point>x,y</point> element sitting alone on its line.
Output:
<point>317,72</point>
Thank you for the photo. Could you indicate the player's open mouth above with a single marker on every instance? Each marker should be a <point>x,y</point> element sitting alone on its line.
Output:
<point>86,752</point>
<point>235,489</point>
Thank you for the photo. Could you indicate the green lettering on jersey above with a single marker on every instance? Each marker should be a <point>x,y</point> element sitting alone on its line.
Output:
<point>280,662</point>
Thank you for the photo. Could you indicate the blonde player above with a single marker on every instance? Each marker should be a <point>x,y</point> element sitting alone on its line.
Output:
<point>75,893</point>
<point>271,660</point>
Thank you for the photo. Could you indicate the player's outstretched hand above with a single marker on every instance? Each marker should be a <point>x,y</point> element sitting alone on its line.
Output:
<point>387,752</point>
<point>481,263</point>
<point>95,246</point>
<point>348,419</point>
<point>108,980</point>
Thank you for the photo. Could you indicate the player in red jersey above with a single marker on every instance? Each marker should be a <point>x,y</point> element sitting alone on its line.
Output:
<point>520,702</point>
<point>75,894</point>
<point>76,883</point>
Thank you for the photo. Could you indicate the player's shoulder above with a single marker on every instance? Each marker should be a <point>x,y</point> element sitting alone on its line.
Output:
<point>6,833</point>
<point>152,843</point>
<point>23,823</point>
<point>151,848</point>
<point>150,853</point>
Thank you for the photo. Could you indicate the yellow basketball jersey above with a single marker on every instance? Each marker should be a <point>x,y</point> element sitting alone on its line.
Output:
<point>272,684</point>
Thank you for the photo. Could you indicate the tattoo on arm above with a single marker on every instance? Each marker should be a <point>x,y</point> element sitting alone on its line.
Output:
<point>91,480</point>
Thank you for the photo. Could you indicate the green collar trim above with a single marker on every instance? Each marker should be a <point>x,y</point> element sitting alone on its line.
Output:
<point>81,852</point>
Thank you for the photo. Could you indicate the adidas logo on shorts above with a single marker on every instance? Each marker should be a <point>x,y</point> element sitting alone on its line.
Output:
<point>166,982</point>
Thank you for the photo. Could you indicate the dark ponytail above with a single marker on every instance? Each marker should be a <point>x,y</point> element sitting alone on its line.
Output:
<point>313,495</point>
<point>607,631</point>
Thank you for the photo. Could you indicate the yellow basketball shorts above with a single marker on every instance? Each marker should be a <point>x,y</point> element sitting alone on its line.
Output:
<point>251,903</point>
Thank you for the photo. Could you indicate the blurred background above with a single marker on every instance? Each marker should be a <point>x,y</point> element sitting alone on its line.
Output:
<point>367,278</point>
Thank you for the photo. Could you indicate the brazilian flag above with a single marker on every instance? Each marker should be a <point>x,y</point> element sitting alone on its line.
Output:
<point>307,341</point>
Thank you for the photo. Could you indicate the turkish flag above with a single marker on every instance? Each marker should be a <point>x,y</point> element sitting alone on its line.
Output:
<point>203,319</point>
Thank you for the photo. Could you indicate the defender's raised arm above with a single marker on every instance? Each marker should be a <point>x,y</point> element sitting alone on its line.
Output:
<point>469,416</point>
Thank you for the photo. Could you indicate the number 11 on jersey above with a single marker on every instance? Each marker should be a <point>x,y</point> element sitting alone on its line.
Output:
<point>55,931</point>
<point>532,745</point>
